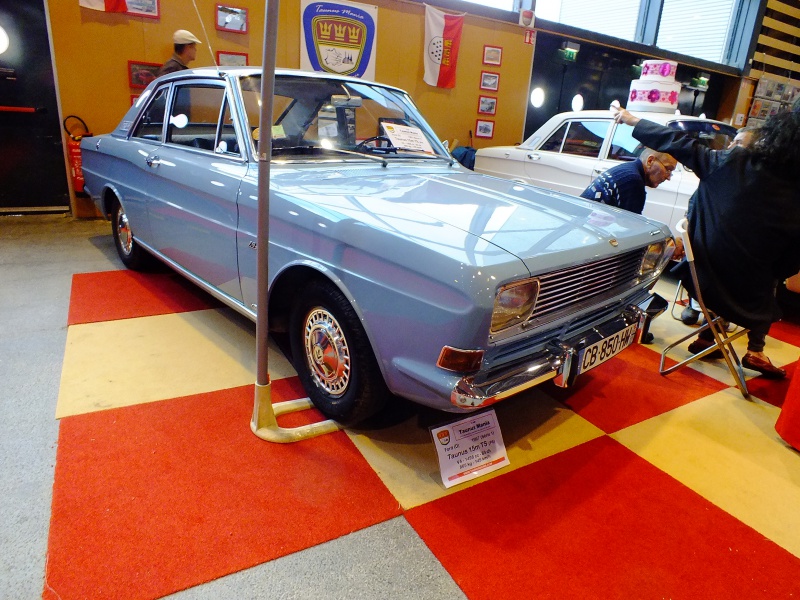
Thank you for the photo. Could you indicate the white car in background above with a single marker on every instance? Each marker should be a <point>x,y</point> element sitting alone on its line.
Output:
<point>572,148</point>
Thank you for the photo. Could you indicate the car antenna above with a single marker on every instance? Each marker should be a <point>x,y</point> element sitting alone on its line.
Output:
<point>205,35</point>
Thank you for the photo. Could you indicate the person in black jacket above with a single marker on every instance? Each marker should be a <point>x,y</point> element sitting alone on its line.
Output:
<point>744,222</point>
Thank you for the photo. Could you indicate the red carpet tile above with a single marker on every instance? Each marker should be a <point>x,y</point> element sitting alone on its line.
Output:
<point>112,295</point>
<point>597,521</point>
<point>159,497</point>
<point>770,390</point>
<point>628,390</point>
<point>786,331</point>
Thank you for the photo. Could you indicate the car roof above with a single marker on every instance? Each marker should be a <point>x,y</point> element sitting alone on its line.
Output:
<point>217,72</point>
<point>657,117</point>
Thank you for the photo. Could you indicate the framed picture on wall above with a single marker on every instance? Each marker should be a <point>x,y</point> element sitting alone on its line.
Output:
<point>140,74</point>
<point>492,55</point>
<point>487,105</point>
<point>490,81</point>
<point>231,18</point>
<point>232,59</point>
<point>144,8</point>
<point>484,129</point>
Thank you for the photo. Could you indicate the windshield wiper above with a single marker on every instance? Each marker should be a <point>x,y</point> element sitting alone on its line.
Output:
<point>316,150</point>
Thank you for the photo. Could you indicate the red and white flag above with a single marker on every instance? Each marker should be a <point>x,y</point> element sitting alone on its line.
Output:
<point>442,39</point>
<point>105,5</point>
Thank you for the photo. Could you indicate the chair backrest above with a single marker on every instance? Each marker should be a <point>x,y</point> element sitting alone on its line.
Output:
<point>683,229</point>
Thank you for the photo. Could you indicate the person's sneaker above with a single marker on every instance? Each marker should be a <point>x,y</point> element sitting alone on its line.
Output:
<point>699,344</point>
<point>765,367</point>
<point>689,315</point>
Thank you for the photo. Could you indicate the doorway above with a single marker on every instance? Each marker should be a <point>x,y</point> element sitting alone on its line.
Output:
<point>33,174</point>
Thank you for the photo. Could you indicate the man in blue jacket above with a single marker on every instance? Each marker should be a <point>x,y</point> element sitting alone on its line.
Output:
<point>623,186</point>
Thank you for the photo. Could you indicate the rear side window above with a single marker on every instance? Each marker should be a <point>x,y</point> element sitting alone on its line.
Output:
<point>585,138</point>
<point>716,136</point>
<point>151,124</point>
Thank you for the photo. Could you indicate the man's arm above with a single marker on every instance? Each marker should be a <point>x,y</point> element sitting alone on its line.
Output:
<point>688,151</point>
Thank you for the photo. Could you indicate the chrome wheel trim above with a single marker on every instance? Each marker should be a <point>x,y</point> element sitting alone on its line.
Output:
<point>327,352</point>
<point>124,232</point>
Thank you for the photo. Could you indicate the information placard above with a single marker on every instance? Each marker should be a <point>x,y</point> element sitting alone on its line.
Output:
<point>469,448</point>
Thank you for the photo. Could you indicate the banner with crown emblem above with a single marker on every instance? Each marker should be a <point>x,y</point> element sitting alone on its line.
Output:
<point>338,37</point>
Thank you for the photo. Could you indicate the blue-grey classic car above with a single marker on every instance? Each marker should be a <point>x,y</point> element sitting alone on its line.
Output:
<point>393,270</point>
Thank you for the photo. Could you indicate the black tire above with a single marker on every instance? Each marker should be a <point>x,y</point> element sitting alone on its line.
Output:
<point>333,356</point>
<point>131,253</point>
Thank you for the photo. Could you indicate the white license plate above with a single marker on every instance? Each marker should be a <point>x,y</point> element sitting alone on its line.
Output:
<point>600,352</point>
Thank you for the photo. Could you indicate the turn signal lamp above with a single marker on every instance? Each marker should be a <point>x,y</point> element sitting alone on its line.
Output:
<point>460,361</point>
<point>514,304</point>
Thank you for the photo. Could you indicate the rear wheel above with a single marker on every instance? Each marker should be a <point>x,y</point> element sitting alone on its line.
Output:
<point>132,254</point>
<point>333,356</point>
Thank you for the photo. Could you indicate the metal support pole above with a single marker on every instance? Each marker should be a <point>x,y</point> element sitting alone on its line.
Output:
<point>263,422</point>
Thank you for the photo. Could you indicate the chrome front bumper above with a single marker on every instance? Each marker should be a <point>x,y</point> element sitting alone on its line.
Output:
<point>558,361</point>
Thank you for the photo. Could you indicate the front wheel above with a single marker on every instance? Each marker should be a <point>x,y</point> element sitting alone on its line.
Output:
<point>333,356</point>
<point>132,254</point>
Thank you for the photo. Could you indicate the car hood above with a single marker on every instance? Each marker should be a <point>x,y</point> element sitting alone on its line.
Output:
<point>523,220</point>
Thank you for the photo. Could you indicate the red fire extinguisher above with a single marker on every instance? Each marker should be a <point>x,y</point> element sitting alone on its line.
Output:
<point>74,148</point>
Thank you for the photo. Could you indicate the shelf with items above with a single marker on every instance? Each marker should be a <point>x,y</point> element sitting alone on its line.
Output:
<point>772,96</point>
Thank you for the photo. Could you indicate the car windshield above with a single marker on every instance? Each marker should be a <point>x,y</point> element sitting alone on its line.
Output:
<point>321,118</point>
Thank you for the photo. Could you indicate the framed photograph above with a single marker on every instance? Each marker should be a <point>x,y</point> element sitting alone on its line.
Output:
<point>492,55</point>
<point>144,8</point>
<point>487,105</point>
<point>231,18</point>
<point>490,81</point>
<point>232,59</point>
<point>484,129</point>
<point>140,74</point>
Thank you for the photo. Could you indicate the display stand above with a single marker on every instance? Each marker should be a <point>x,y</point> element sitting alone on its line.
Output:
<point>264,422</point>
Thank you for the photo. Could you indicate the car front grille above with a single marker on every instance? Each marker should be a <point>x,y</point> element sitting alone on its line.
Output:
<point>567,291</point>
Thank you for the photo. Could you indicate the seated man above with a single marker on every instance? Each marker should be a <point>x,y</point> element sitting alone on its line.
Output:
<point>744,222</point>
<point>623,186</point>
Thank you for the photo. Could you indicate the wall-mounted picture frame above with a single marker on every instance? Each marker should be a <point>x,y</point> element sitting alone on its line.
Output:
<point>490,81</point>
<point>232,59</point>
<point>140,74</point>
<point>492,55</point>
<point>487,105</point>
<point>231,18</point>
<point>484,129</point>
<point>144,8</point>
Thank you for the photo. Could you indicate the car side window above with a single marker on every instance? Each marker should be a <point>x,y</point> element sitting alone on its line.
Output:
<point>151,123</point>
<point>554,142</point>
<point>623,145</point>
<point>194,116</point>
<point>227,143</point>
<point>585,138</point>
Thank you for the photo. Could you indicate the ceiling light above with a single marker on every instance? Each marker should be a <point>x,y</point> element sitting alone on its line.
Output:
<point>537,97</point>
<point>3,40</point>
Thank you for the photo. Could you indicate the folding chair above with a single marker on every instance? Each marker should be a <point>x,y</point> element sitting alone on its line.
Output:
<point>723,342</point>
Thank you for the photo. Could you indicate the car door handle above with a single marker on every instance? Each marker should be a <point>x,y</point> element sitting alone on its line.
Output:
<point>597,171</point>
<point>152,161</point>
<point>533,157</point>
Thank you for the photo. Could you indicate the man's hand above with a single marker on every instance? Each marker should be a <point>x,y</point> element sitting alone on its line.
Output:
<point>623,116</point>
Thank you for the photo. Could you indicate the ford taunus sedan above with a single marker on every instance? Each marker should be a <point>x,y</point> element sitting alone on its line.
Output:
<point>392,269</point>
<point>572,148</point>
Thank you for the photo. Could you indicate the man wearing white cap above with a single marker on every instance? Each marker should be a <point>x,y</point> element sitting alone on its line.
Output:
<point>185,44</point>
